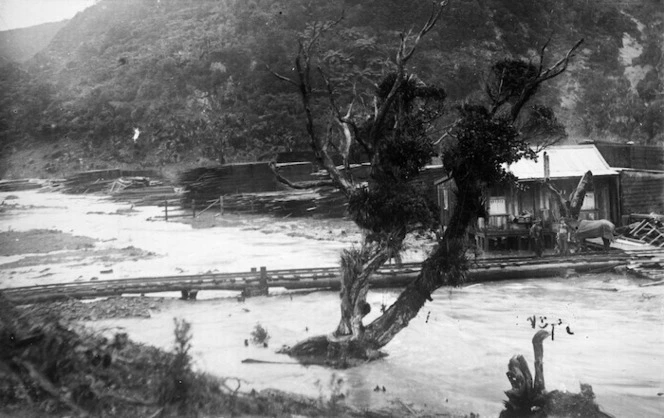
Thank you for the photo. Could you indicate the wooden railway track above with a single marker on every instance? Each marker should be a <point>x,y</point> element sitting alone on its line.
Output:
<point>504,268</point>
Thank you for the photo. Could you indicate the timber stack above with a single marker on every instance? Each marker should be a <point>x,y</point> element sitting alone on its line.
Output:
<point>98,180</point>
<point>253,188</point>
<point>142,191</point>
<point>139,187</point>
<point>18,185</point>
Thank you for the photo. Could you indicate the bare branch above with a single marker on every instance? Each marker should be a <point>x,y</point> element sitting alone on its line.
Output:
<point>431,22</point>
<point>346,126</point>
<point>333,104</point>
<point>560,66</point>
<point>302,185</point>
<point>318,146</point>
<point>281,77</point>
<point>531,87</point>
<point>495,98</point>
<point>549,143</point>
<point>541,56</point>
<point>563,203</point>
<point>349,128</point>
<point>401,60</point>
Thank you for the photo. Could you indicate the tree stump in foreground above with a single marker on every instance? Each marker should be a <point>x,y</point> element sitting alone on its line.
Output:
<point>528,397</point>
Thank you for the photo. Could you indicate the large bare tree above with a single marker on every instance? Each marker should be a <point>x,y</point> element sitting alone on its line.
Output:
<point>396,132</point>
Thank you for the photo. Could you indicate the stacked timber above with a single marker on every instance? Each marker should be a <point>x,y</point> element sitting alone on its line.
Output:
<point>208,183</point>
<point>151,194</point>
<point>98,180</point>
<point>18,185</point>
<point>324,202</point>
<point>648,264</point>
<point>253,188</point>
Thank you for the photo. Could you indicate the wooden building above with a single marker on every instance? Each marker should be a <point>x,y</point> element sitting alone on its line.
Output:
<point>641,177</point>
<point>512,210</point>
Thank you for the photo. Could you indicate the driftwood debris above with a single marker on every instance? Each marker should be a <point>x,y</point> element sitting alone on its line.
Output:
<point>528,397</point>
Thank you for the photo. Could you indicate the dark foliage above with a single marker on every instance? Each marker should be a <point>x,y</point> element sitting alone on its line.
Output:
<point>508,78</point>
<point>392,207</point>
<point>542,126</point>
<point>482,147</point>
<point>391,202</point>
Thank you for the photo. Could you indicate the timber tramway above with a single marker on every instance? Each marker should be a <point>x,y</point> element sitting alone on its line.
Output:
<point>258,281</point>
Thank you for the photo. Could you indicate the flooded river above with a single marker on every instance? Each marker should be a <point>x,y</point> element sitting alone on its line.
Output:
<point>609,331</point>
<point>454,354</point>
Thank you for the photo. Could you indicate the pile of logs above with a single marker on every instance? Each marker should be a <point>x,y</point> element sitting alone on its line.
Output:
<point>323,202</point>
<point>203,187</point>
<point>142,191</point>
<point>18,185</point>
<point>98,180</point>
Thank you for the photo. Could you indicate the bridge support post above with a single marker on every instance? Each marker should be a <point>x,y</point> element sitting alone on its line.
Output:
<point>263,279</point>
<point>257,290</point>
<point>189,294</point>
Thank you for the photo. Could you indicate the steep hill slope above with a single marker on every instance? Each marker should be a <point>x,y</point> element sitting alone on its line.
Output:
<point>158,82</point>
<point>19,45</point>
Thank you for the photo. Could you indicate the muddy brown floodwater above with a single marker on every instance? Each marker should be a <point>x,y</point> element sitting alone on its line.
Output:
<point>452,357</point>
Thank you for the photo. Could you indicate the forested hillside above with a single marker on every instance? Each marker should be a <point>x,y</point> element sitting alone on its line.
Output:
<point>162,81</point>
<point>22,44</point>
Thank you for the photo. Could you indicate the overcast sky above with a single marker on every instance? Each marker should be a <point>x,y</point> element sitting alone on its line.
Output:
<point>23,13</point>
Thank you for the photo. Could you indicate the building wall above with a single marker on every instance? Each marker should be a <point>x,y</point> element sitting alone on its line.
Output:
<point>640,157</point>
<point>641,192</point>
<point>534,199</point>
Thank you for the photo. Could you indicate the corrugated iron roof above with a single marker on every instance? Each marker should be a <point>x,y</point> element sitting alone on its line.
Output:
<point>564,161</point>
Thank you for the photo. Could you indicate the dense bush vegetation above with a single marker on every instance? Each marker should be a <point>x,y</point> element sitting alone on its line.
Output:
<point>192,76</point>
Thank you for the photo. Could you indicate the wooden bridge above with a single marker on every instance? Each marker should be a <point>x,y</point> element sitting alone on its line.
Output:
<point>258,281</point>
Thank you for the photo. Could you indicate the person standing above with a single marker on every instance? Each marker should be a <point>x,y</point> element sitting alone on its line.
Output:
<point>536,237</point>
<point>562,238</point>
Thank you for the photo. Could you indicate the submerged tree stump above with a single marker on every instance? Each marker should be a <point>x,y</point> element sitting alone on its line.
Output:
<point>528,397</point>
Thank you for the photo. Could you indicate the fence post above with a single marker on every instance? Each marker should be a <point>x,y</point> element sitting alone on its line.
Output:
<point>193,206</point>
<point>221,205</point>
<point>166,209</point>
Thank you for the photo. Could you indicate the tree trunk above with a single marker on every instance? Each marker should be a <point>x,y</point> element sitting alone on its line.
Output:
<point>528,397</point>
<point>527,393</point>
<point>576,199</point>
<point>571,208</point>
<point>357,267</point>
<point>447,265</point>
<point>348,343</point>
